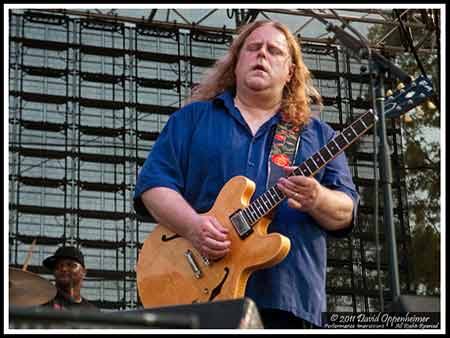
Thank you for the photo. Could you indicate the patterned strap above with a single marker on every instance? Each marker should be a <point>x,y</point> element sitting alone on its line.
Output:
<point>284,147</point>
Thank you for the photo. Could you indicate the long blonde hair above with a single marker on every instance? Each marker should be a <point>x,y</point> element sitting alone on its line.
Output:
<point>298,93</point>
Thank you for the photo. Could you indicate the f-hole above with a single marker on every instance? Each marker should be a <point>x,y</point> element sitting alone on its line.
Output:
<point>164,238</point>
<point>217,289</point>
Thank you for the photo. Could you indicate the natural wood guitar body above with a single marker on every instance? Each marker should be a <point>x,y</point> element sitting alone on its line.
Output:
<point>165,276</point>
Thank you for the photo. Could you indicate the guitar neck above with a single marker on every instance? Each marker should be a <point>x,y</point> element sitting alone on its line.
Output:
<point>405,99</point>
<point>274,196</point>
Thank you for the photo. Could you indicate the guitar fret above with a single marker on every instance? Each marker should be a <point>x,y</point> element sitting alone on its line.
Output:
<point>266,201</point>
<point>270,198</point>
<point>253,213</point>
<point>333,147</point>
<point>340,141</point>
<point>305,170</point>
<point>262,203</point>
<point>359,126</point>
<point>247,217</point>
<point>254,216</point>
<point>255,210</point>
<point>311,165</point>
<point>346,140</point>
<point>325,153</point>
<point>351,134</point>
<point>319,159</point>
<point>248,213</point>
<point>278,193</point>
<point>297,172</point>
<point>260,207</point>
<point>368,119</point>
<point>363,123</point>
<point>265,209</point>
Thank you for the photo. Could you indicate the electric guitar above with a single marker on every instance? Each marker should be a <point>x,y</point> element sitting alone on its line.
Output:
<point>171,271</point>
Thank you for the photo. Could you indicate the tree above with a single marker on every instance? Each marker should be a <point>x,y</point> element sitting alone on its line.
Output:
<point>420,130</point>
<point>425,260</point>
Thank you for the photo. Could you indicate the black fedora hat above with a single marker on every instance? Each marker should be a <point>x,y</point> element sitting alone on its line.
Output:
<point>64,252</point>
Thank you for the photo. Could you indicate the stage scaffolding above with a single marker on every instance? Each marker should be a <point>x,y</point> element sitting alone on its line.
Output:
<point>88,98</point>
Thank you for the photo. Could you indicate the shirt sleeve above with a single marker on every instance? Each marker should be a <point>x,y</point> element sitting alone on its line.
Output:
<point>166,162</point>
<point>337,176</point>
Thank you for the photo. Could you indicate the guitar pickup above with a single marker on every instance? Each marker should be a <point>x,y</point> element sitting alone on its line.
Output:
<point>240,224</point>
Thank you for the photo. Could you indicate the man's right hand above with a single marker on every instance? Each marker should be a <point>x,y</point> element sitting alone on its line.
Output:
<point>205,232</point>
<point>209,237</point>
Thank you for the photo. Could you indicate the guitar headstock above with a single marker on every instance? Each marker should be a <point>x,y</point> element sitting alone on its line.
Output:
<point>405,99</point>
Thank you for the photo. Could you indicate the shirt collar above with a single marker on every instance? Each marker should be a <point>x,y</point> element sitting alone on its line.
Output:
<point>227,100</point>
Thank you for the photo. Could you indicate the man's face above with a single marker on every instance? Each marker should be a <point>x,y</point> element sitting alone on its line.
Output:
<point>264,61</point>
<point>68,272</point>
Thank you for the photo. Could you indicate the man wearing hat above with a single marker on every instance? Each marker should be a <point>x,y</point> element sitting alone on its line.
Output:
<point>67,265</point>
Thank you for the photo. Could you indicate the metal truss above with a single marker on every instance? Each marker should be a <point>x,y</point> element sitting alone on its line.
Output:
<point>301,21</point>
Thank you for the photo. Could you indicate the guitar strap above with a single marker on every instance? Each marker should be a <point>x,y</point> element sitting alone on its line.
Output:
<point>285,145</point>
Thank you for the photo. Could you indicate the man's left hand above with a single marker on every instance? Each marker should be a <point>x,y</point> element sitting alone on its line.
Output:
<point>303,193</point>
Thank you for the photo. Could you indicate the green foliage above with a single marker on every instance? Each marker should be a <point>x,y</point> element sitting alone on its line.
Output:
<point>422,128</point>
<point>425,259</point>
<point>422,156</point>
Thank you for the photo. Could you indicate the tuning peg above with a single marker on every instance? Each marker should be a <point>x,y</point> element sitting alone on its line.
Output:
<point>406,118</point>
<point>401,85</point>
<point>430,105</point>
<point>389,92</point>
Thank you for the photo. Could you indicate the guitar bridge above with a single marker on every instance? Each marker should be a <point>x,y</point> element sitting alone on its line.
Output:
<point>193,264</point>
<point>240,224</point>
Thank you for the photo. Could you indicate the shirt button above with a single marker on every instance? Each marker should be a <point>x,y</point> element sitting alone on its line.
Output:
<point>251,164</point>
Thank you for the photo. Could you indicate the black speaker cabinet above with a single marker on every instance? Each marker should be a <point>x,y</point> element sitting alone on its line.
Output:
<point>46,318</point>
<point>412,303</point>
<point>230,314</point>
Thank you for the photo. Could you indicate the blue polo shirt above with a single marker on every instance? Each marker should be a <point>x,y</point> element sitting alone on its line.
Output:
<point>205,144</point>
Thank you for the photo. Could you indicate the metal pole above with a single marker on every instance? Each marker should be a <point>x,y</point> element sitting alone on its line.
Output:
<point>386,180</point>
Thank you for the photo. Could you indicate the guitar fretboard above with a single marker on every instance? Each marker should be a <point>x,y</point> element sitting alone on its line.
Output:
<point>272,197</point>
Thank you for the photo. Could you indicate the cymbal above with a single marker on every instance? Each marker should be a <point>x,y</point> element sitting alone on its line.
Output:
<point>28,289</point>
